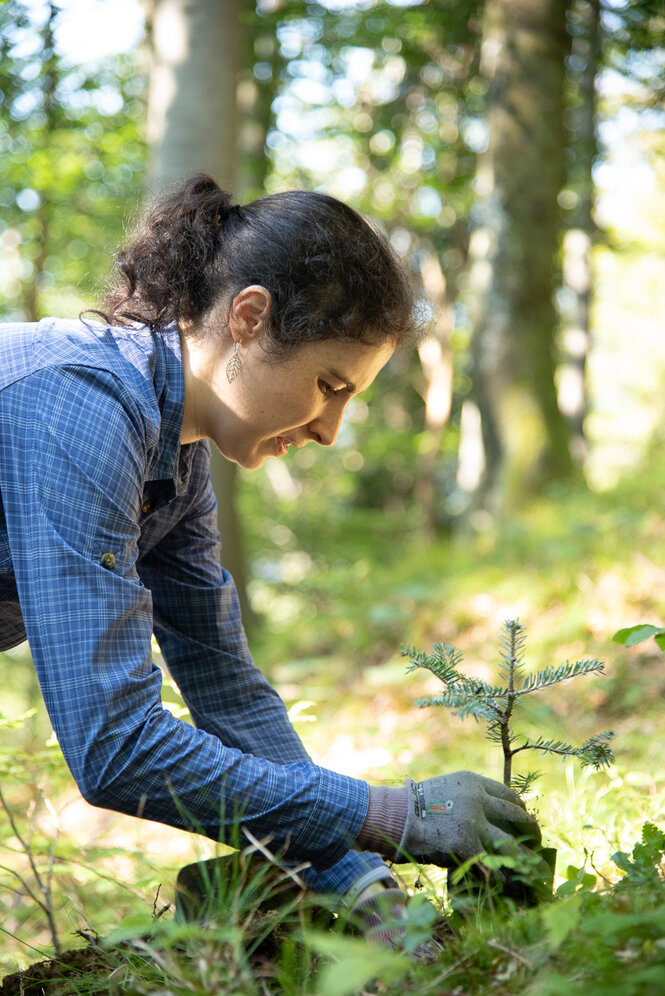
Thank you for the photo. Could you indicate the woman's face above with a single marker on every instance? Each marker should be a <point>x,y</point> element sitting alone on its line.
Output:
<point>273,404</point>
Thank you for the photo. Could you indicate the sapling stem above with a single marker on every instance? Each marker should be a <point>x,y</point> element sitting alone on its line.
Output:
<point>513,629</point>
<point>507,756</point>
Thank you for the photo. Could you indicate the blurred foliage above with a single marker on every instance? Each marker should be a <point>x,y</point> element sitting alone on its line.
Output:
<point>50,884</point>
<point>388,98</point>
<point>380,103</point>
<point>384,105</point>
<point>71,162</point>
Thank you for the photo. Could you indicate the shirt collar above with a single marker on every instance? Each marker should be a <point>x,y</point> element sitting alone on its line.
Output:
<point>171,461</point>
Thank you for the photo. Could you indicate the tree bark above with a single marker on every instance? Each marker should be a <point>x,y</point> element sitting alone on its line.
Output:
<point>436,360</point>
<point>42,216</point>
<point>514,249</point>
<point>197,55</point>
<point>586,51</point>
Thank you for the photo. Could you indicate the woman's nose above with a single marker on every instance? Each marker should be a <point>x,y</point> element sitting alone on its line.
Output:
<point>325,427</point>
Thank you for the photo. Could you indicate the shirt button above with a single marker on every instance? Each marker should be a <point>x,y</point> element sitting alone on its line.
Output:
<point>108,561</point>
<point>146,506</point>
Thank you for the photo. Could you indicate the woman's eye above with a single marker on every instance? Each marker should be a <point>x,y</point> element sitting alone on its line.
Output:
<point>326,388</point>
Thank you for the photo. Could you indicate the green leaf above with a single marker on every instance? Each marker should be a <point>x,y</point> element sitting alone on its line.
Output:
<point>638,634</point>
<point>353,964</point>
<point>576,880</point>
<point>131,927</point>
<point>16,722</point>
<point>654,836</point>
<point>560,919</point>
<point>622,861</point>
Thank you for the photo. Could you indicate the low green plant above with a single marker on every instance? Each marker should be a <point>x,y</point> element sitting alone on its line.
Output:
<point>496,703</point>
<point>51,887</point>
<point>632,635</point>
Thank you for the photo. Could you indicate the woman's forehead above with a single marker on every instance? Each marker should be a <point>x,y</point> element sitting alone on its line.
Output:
<point>353,365</point>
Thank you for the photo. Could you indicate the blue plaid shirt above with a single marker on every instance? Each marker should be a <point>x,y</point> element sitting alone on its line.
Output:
<point>108,532</point>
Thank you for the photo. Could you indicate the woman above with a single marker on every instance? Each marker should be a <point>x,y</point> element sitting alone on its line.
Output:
<point>253,327</point>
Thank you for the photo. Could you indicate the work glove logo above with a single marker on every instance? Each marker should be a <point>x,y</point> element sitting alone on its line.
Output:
<point>441,806</point>
<point>423,808</point>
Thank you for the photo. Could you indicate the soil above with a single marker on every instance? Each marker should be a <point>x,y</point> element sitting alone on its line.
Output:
<point>55,977</point>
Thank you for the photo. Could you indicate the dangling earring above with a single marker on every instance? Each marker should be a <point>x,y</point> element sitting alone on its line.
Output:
<point>234,366</point>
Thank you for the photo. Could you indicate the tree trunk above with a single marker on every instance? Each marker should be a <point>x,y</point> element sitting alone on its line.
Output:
<point>513,250</point>
<point>42,216</point>
<point>578,239</point>
<point>436,360</point>
<point>192,116</point>
<point>193,127</point>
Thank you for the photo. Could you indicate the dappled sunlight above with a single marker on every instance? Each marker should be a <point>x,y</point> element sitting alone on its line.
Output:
<point>347,756</point>
<point>341,674</point>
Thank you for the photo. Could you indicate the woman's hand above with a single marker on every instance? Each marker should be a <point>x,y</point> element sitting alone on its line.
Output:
<point>451,818</point>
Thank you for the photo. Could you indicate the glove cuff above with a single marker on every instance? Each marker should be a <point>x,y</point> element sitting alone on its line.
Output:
<point>385,822</point>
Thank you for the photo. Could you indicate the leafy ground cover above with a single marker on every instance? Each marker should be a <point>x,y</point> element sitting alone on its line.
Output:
<point>340,596</point>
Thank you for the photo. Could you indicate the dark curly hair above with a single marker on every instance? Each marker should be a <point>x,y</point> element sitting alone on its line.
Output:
<point>331,273</point>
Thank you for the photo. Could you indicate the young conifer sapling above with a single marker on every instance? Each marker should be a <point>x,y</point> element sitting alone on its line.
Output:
<point>496,704</point>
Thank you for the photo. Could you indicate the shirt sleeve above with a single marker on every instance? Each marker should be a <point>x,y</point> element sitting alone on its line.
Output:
<point>73,455</point>
<point>198,624</point>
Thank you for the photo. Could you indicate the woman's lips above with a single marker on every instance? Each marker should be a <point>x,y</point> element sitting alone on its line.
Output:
<point>283,443</point>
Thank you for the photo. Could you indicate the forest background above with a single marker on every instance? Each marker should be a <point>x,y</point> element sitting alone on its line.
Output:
<point>509,467</point>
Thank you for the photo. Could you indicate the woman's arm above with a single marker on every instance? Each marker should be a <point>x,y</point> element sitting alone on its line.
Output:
<point>199,630</point>
<point>73,451</point>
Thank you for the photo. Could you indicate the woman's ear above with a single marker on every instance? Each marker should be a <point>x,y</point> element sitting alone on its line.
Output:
<point>250,313</point>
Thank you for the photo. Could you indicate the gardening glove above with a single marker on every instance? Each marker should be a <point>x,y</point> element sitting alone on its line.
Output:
<point>451,818</point>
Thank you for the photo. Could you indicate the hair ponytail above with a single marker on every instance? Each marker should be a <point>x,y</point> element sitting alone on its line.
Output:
<point>163,273</point>
<point>331,274</point>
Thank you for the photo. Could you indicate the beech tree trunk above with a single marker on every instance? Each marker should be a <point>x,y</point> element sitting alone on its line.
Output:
<point>436,360</point>
<point>197,55</point>
<point>586,50</point>
<point>514,251</point>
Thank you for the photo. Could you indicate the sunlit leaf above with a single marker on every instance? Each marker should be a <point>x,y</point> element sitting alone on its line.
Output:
<point>632,635</point>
